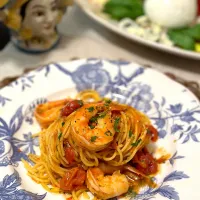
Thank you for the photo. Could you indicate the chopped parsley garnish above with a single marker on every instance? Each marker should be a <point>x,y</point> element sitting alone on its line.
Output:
<point>90,109</point>
<point>149,131</point>
<point>60,135</point>
<point>135,144</point>
<point>107,102</point>
<point>116,124</point>
<point>63,123</point>
<point>93,138</point>
<point>131,192</point>
<point>93,119</point>
<point>100,115</point>
<point>92,126</point>
<point>80,102</point>
<point>108,133</point>
<point>130,134</point>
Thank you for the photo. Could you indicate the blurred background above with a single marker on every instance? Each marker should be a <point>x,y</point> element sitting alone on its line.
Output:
<point>82,37</point>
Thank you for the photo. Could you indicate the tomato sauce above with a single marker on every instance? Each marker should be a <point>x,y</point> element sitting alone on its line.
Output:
<point>73,179</point>
<point>145,163</point>
<point>70,155</point>
<point>153,133</point>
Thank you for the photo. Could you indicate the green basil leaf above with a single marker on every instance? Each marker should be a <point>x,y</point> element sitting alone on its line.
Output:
<point>181,39</point>
<point>119,9</point>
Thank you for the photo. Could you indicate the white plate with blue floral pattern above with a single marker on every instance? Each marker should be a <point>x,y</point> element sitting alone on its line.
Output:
<point>173,109</point>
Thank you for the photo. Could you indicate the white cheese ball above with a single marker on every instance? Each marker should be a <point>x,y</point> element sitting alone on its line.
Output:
<point>171,13</point>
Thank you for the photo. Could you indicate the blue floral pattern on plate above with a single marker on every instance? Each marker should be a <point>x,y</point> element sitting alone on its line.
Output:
<point>4,100</point>
<point>9,189</point>
<point>164,190</point>
<point>24,82</point>
<point>122,81</point>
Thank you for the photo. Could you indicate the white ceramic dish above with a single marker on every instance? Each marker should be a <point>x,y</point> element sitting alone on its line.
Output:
<point>173,109</point>
<point>93,13</point>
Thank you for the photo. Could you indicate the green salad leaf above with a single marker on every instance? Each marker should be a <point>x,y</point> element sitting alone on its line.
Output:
<point>185,37</point>
<point>119,9</point>
<point>194,32</point>
<point>182,40</point>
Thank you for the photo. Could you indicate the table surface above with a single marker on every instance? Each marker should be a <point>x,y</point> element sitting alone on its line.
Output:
<point>84,38</point>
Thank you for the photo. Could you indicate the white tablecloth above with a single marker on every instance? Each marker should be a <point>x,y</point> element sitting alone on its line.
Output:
<point>84,38</point>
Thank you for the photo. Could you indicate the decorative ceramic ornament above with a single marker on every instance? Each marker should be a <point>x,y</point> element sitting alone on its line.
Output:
<point>33,23</point>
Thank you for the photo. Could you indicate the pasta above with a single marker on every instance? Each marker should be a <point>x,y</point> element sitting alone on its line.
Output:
<point>92,144</point>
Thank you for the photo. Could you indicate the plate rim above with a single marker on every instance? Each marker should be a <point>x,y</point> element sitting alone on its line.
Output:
<point>103,59</point>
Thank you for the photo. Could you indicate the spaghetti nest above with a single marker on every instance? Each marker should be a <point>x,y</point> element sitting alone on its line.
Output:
<point>96,145</point>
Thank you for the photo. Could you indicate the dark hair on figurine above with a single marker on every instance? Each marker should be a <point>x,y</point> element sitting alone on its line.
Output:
<point>4,35</point>
<point>23,9</point>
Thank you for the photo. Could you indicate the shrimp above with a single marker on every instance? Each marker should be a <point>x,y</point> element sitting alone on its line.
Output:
<point>48,112</point>
<point>93,127</point>
<point>109,169</point>
<point>105,187</point>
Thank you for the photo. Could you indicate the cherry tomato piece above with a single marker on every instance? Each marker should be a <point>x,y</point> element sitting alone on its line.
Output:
<point>73,179</point>
<point>153,133</point>
<point>70,107</point>
<point>144,162</point>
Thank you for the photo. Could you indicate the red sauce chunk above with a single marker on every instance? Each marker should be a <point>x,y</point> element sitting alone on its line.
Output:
<point>115,114</point>
<point>73,179</point>
<point>144,162</point>
<point>69,155</point>
<point>70,107</point>
<point>153,133</point>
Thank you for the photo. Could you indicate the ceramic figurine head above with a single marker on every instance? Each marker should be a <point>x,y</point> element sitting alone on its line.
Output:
<point>34,22</point>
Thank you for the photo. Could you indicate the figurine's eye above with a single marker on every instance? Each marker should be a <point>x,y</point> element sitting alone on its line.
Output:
<point>39,13</point>
<point>54,8</point>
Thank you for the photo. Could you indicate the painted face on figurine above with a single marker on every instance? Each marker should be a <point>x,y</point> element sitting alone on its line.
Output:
<point>33,22</point>
<point>41,17</point>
